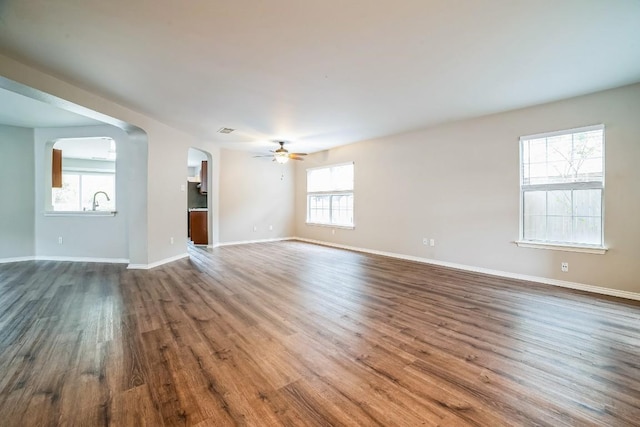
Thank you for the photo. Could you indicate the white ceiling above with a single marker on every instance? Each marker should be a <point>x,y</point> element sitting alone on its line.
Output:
<point>322,73</point>
<point>19,110</point>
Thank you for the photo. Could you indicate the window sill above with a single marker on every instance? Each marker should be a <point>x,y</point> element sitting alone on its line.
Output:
<point>344,227</point>
<point>600,250</point>
<point>81,213</point>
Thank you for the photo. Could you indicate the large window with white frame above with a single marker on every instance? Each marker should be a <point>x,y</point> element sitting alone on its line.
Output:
<point>330,195</point>
<point>562,187</point>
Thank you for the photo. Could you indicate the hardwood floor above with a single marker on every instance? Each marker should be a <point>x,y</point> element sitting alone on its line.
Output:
<point>294,334</point>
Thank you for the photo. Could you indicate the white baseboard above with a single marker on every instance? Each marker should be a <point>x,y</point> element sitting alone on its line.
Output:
<point>17,259</point>
<point>83,259</point>
<point>157,263</point>
<point>547,281</point>
<point>66,258</point>
<point>246,242</point>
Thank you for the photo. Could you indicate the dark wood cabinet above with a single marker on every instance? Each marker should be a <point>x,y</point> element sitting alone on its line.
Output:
<point>203,177</point>
<point>56,168</point>
<point>198,230</point>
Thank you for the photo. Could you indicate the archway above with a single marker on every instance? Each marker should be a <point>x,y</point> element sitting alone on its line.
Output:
<point>200,215</point>
<point>135,150</point>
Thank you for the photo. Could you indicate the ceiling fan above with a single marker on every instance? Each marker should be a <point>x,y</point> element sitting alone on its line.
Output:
<point>282,155</point>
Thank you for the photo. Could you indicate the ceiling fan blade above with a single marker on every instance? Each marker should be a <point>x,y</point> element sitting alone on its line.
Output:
<point>283,152</point>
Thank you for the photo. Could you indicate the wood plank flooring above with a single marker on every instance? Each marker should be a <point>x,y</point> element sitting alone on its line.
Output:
<point>295,334</point>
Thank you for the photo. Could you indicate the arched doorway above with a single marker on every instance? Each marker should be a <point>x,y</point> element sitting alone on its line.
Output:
<point>198,216</point>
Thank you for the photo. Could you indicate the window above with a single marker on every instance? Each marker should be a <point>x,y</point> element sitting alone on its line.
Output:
<point>88,175</point>
<point>330,195</point>
<point>85,192</point>
<point>562,187</point>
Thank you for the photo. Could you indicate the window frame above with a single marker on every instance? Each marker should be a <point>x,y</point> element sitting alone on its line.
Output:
<point>331,194</point>
<point>566,186</point>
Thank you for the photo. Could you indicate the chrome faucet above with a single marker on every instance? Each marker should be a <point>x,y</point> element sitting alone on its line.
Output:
<point>95,203</point>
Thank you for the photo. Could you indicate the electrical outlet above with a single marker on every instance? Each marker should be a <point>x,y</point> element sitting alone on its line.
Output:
<point>171,240</point>
<point>564,267</point>
<point>255,228</point>
<point>271,228</point>
<point>333,231</point>
<point>60,240</point>
<point>432,242</point>
<point>425,241</point>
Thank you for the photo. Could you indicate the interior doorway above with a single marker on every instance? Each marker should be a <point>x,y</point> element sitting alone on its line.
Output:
<point>198,197</point>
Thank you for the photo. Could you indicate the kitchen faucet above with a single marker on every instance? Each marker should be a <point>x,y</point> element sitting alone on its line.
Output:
<point>95,204</point>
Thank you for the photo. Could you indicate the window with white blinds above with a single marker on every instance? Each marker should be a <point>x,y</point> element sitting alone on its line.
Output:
<point>562,187</point>
<point>330,195</point>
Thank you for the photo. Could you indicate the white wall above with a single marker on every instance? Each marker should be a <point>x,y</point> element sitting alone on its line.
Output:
<point>459,184</point>
<point>254,192</point>
<point>213,194</point>
<point>83,236</point>
<point>159,155</point>
<point>16,192</point>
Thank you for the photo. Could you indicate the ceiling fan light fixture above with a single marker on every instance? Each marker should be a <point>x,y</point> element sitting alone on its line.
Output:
<point>281,157</point>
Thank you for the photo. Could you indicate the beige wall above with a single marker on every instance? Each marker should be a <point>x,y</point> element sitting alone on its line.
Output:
<point>456,183</point>
<point>459,184</point>
<point>254,192</point>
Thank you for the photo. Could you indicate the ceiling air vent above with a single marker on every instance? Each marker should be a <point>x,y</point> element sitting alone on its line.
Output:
<point>225,130</point>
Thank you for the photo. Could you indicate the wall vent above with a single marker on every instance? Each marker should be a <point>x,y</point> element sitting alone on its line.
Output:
<point>225,130</point>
